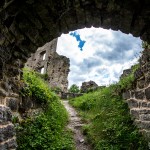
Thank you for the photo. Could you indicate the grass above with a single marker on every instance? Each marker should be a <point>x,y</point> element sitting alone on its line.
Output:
<point>44,131</point>
<point>108,122</point>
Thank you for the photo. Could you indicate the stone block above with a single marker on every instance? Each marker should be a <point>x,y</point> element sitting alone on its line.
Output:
<point>7,133</point>
<point>147,93</point>
<point>126,95</point>
<point>144,68</point>
<point>5,86</point>
<point>12,71</point>
<point>132,94</point>
<point>144,111</point>
<point>139,94</point>
<point>134,113</point>
<point>3,92</point>
<point>145,117</point>
<point>143,104</point>
<point>145,125</point>
<point>138,74</point>
<point>5,115</point>
<point>12,103</point>
<point>3,146</point>
<point>148,105</point>
<point>133,103</point>
<point>147,79</point>
<point>11,144</point>
<point>15,95</point>
<point>141,83</point>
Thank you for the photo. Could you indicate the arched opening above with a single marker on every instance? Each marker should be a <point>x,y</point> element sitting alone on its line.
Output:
<point>99,55</point>
<point>27,25</point>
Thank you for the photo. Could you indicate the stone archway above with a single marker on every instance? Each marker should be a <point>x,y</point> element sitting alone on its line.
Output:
<point>25,25</point>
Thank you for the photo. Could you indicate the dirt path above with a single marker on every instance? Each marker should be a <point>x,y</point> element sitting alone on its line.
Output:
<point>75,125</point>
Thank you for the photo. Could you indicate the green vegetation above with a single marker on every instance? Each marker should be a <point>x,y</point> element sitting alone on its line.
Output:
<point>45,131</point>
<point>127,82</point>
<point>106,115</point>
<point>74,89</point>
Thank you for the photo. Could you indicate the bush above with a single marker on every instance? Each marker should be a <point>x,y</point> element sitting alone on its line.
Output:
<point>74,89</point>
<point>44,131</point>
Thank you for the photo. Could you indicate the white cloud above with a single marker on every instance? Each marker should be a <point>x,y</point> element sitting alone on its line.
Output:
<point>105,54</point>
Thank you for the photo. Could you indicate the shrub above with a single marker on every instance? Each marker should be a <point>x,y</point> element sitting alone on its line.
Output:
<point>45,130</point>
<point>74,89</point>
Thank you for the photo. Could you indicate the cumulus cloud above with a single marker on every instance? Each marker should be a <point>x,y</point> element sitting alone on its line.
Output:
<point>103,57</point>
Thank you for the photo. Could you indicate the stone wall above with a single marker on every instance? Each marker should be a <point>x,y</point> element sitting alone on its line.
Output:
<point>26,25</point>
<point>47,61</point>
<point>7,132</point>
<point>138,98</point>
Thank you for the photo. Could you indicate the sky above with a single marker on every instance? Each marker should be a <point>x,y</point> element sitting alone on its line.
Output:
<point>97,54</point>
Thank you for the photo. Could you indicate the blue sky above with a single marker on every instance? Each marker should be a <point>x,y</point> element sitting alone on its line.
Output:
<point>98,54</point>
<point>78,38</point>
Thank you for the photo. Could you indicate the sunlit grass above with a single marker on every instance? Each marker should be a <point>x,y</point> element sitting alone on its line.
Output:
<point>44,131</point>
<point>107,118</point>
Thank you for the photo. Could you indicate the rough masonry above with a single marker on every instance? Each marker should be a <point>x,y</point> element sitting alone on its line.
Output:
<point>138,98</point>
<point>86,86</point>
<point>47,61</point>
<point>26,25</point>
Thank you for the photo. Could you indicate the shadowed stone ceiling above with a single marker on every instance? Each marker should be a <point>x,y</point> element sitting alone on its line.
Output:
<point>27,24</point>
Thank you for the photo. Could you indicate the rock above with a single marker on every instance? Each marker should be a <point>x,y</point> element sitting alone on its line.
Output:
<point>86,86</point>
<point>5,115</point>
<point>139,94</point>
<point>133,103</point>
<point>141,83</point>
<point>145,117</point>
<point>12,103</point>
<point>125,73</point>
<point>134,113</point>
<point>81,140</point>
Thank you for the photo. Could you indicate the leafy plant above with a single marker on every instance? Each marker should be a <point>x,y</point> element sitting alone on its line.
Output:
<point>74,89</point>
<point>44,131</point>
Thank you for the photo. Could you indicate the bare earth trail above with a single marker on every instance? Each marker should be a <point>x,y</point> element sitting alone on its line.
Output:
<point>75,125</point>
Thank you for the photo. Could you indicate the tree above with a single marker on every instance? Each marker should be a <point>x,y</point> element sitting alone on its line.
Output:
<point>74,89</point>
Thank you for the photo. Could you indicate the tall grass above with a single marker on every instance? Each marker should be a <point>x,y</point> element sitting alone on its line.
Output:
<point>108,122</point>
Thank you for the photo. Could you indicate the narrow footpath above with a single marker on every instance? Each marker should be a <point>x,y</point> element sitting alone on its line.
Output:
<point>75,125</point>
